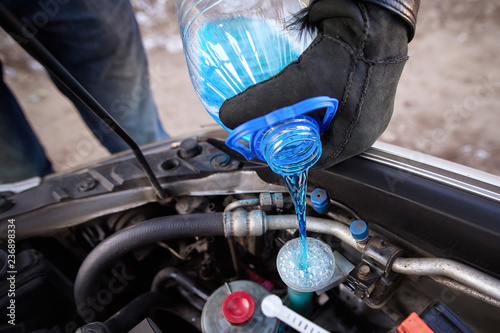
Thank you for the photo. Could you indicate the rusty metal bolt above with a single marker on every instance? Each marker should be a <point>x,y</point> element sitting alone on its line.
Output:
<point>364,272</point>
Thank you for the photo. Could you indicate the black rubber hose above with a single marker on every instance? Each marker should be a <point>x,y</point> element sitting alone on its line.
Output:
<point>135,311</point>
<point>184,280</point>
<point>107,253</point>
<point>130,315</point>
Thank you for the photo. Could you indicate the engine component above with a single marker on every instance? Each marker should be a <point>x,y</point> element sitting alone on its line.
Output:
<point>268,201</point>
<point>319,269</point>
<point>368,282</point>
<point>230,309</point>
<point>251,223</point>
<point>359,231</point>
<point>464,274</point>
<point>381,254</point>
<point>486,285</point>
<point>438,210</point>
<point>181,278</point>
<point>36,284</point>
<point>189,148</point>
<point>128,317</point>
<point>373,280</point>
<point>146,326</point>
<point>109,251</point>
<point>302,281</point>
<point>320,200</point>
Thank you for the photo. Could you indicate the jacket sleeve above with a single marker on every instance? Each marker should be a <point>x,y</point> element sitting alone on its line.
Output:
<point>406,9</point>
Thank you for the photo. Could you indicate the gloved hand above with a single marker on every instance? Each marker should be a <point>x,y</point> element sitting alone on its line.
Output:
<point>357,58</point>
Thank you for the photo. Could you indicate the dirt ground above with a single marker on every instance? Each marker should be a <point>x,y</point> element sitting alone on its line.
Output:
<point>447,105</point>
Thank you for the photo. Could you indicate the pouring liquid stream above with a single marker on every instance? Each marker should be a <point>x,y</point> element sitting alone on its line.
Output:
<point>297,187</point>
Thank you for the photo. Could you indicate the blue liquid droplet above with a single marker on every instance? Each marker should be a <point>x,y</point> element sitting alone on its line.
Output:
<point>297,186</point>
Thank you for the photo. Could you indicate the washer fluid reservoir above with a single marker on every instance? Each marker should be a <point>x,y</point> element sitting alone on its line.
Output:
<point>236,307</point>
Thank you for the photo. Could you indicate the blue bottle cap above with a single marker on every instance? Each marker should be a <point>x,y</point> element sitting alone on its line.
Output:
<point>320,201</point>
<point>253,130</point>
<point>359,230</point>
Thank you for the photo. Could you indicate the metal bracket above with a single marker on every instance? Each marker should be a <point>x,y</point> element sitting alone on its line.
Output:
<point>342,269</point>
<point>381,254</point>
<point>372,279</point>
<point>363,278</point>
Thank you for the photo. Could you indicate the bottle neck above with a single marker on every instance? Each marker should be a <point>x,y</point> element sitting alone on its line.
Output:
<point>292,146</point>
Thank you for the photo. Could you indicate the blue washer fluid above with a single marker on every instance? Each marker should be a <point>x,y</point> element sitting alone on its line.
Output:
<point>236,53</point>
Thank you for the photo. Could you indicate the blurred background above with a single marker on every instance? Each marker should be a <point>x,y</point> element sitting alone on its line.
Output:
<point>447,105</point>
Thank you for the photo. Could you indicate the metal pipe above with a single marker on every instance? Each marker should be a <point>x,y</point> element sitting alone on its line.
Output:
<point>314,224</point>
<point>242,203</point>
<point>483,285</point>
<point>465,290</point>
<point>464,274</point>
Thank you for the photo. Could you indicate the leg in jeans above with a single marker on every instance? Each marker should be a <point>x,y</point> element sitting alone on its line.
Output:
<point>21,155</point>
<point>99,43</point>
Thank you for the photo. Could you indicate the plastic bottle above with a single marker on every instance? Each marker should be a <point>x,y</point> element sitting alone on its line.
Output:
<point>233,44</point>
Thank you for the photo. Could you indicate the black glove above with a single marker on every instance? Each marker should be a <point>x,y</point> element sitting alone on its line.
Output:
<point>357,58</point>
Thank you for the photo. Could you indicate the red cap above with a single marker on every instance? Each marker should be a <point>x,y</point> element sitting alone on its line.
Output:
<point>238,307</point>
<point>414,324</point>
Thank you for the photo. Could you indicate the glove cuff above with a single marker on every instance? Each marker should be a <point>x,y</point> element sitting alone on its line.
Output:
<point>406,9</point>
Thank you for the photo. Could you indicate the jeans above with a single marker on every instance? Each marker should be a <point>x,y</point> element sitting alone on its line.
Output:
<point>100,45</point>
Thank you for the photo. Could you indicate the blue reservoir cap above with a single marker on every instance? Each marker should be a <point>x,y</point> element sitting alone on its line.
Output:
<point>320,201</point>
<point>359,230</point>
<point>255,128</point>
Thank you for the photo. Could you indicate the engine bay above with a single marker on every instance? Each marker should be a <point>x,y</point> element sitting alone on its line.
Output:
<point>96,251</point>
